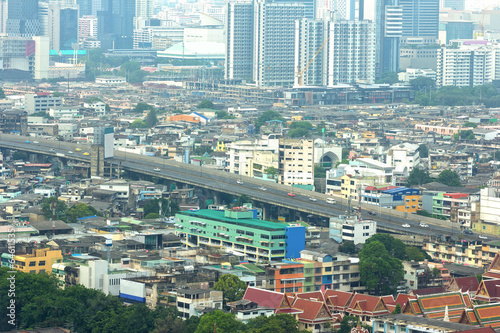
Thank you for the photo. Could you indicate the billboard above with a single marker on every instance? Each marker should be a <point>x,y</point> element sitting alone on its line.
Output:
<point>104,136</point>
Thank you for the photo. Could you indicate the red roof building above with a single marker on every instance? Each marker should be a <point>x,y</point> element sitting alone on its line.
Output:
<point>464,284</point>
<point>337,300</point>
<point>488,291</point>
<point>493,272</point>
<point>315,314</point>
<point>366,307</point>
<point>436,306</point>
<point>486,315</point>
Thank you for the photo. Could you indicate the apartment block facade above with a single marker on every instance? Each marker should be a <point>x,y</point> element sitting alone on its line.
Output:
<point>296,162</point>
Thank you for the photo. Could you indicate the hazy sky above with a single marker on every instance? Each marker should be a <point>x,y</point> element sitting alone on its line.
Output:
<point>479,4</point>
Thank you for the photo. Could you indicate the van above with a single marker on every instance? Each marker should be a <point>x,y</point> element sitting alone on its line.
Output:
<point>330,201</point>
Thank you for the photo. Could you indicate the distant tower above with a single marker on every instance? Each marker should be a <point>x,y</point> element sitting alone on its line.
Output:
<point>22,18</point>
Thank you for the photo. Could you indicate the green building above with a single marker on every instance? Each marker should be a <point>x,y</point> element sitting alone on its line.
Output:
<point>238,230</point>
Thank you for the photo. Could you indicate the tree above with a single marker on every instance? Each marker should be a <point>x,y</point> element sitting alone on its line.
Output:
<point>60,208</point>
<point>418,177</point>
<point>242,199</point>
<point>469,124</point>
<point>379,272</point>
<point>301,124</point>
<point>2,94</point>
<point>319,172</point>
<point>388,77</point>
<point>347,247</point>
<point>79,210</point>
<point>397,309</point>
<point>232,287</point>
<point>138,123</point>
<point>449,177</point>
<point>224,115</point>
<point>394,246</point>
<point>205,104</point>
<point>267,116</point>
<point>279,323</point>
<point>423,84</point>
<point>271,171</point>
<point>464,135</point>
<point>220,322</point>
<point>141,107</point>
<point>151,119</point>
<point>20,155</point>
<point>298,133</point>
<point>153,206</point>
<point>152,216</point>
<point>423,151</point>
<point>347,324</point>
<point>414,253</point>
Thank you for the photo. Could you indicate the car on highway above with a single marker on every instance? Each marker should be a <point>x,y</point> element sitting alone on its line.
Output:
<point>372,213</point>
<point>86,154</point>
<point>262,188</point>
<point>156,169</point>
<point>27,141</point>
<point>313,199</point>
<point>70,152</point>
<point>36,142</point>
<point>78,149</point>
<point>406,225</point>
<point>290,194</point>
<point>468,232</point>
<point>52,150</point>
<point>193,209</point>
<point>424,225</point>
<point>239,182</point>
<point>330,201</point>
<point>482,237</point>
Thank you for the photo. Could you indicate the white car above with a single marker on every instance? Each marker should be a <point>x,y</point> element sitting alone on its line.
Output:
<point>239,182</point>
<point>70,152</point>
<point>36,142</point>
<point>424,225</point>
<point>406,225</point>
<point>262,188</point>
<point>157,169</point>
<point>482,237</point>
<point>313,199</point>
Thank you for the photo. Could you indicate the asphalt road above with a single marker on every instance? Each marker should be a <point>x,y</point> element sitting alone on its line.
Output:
<point>274,194</point>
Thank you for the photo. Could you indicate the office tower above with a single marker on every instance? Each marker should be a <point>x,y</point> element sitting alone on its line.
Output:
<point>3,16</point>
<point>22,18</point>
<point>449,30</point>
<point>452,4</point>
<point>420,18</point>
<point>309,7</point>
<point>62,27</point>
<point>87,27</point>
<point>115,24</point>
<point>274,42</point>
<point>239,40</point>
<point>351,52</point>
<point>84,7</point>
<point>97,6</point>
<point>144,8</point>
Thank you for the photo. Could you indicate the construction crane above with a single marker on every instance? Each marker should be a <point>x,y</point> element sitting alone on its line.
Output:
<point>300,74</point>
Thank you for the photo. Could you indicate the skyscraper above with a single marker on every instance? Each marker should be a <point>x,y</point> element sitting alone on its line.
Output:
<point>22,18</point>
<point>274,42</point>
<point>239,39</point>
<point>116,24</point>
<point>85,7</point>
<point>3,16</point>
<point>309,40</point>
<point>452,4</point>
<point>420,18</point>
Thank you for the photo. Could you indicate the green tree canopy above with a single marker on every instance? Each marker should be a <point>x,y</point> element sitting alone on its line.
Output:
<point>394,246</point>
<point>138,123</point>
<point>418,177</point>
<point>220,322</point>
<point>414,253</point>
<point>141,106</point>
<point>151,119</point>
<point>347,324</point>
<point>469,124</point>
<point>205,104</point>
<point>272,171</point>
<point>267,116</point>
<point>153,206</point>
<point>319,171</point>
<point>422,83</point>
<point>464,135</point>
<point>449,177</point>
<point>379,272</point>
<point>347,247</point>
<point>279,323</point>
<point>224,115</point>
<point>301,124</point>
<point>397,309</point>
<point>232,287</point>
<point>388,77</point>
<point>20,155</point>
<point>152,216</point>
<point>423,151</point>
<point>242,199</point>
<point>298,133</point>
<point>60,208</point>
<point>79,210</point>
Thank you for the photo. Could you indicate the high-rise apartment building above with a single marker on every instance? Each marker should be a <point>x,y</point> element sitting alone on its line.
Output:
<point>3,16</point>
<point>239,39</point>
<point>420,18</point>
<point>143,12</point>
<point>465,66</point>
<point>296,162</point>
<point>452,4</point>
<point>22,18</point>
<point>87,27</point>
<point>115,23</point>
<point>347,56</point>
<point>274,42</point>
<point>85,7</point>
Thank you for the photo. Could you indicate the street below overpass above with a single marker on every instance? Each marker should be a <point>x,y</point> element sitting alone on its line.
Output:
<point>302,204</point>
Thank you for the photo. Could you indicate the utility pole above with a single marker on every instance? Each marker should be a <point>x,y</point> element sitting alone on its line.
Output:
<point>54,218</point>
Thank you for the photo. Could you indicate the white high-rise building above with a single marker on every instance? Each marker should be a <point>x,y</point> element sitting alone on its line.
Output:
<point>347,56</point>
<point>239,39</point>
<point>87,27</point>
<point>274,42</point>
<point>465,66</point>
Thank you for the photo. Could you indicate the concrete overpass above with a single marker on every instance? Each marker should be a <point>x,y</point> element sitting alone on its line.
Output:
<point>303,203</point>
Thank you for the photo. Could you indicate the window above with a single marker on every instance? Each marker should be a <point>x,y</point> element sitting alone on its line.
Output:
<point>41,263</point>
<point>32,263</point>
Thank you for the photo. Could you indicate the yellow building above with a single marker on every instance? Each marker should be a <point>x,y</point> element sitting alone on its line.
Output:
<point>40,261</point>
<point>220,146</point>
<point>412,203</point>
<point>350,186</point>
<point>369,135</point>
<point>486,227</point>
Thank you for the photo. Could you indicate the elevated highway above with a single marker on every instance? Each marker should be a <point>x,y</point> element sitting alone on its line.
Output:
<point>304,202</point>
